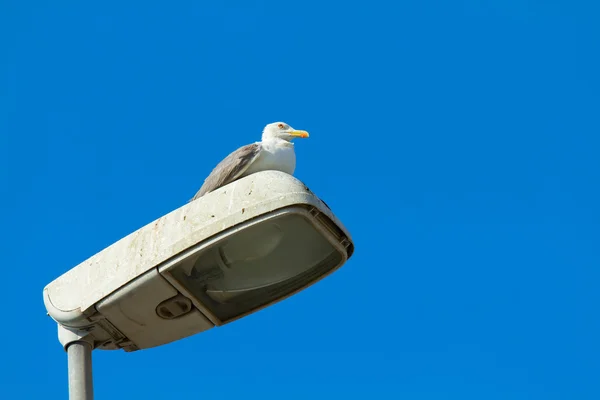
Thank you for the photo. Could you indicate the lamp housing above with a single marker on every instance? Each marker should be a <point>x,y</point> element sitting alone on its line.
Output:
<point>228,254</point>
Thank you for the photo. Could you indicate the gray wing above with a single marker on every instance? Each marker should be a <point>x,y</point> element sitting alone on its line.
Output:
<point>230,169</point>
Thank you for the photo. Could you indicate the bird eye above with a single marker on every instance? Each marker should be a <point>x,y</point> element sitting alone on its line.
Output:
<point>280,126</point>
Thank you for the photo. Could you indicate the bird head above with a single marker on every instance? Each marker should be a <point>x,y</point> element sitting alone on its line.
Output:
<point>282,131</point>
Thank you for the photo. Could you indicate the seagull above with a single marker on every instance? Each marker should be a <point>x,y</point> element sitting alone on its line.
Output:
<point>274,152</point>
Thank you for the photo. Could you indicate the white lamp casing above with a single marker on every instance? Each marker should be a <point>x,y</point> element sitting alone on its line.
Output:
<point>123,296</point>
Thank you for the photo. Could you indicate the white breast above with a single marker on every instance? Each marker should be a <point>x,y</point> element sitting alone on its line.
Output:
<point>275,155</point>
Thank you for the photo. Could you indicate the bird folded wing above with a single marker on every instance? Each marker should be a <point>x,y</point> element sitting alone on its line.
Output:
<point>230,169</point>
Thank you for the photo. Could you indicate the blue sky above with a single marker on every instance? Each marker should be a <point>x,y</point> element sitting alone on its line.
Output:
<point>457,140</point>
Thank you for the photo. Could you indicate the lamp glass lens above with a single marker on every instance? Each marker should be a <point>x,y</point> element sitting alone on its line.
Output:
<point>258,265</point>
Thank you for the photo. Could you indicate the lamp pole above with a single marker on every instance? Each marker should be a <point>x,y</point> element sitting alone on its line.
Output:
<point>79,355</point>
<point>78,344</point>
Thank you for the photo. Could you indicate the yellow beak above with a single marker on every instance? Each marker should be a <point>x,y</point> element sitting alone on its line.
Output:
<point>300,134</point>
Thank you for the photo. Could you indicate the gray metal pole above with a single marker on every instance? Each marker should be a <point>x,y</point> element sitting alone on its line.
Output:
<point>80,371</point>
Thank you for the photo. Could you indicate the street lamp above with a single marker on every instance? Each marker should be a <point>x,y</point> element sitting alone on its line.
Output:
<point>221,257</point>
